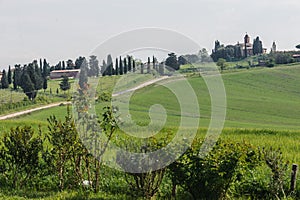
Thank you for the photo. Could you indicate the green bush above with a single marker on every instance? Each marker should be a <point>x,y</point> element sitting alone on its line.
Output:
<point>211,177</point>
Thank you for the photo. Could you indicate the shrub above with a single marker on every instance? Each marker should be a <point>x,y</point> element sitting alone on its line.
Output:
<point>20,156</point>
<point>211,177</point>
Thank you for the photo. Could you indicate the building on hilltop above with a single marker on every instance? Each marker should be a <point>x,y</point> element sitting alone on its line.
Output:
<point>239,50</point>
<point>249,49</point>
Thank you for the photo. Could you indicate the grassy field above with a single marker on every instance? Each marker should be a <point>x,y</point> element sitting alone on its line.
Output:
<point>256,99</point>
<point>266,98</point>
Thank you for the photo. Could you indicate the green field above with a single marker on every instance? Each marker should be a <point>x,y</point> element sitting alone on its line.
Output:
<point>265,98</point>
<point>256,99</point>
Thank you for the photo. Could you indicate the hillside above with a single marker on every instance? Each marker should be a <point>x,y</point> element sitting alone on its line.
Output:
<point>264,98</point>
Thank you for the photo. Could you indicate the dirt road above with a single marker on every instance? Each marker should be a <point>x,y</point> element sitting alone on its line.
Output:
<point>13,115</point>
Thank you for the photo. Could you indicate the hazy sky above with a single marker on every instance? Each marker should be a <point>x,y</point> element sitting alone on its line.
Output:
<point>63,29</point>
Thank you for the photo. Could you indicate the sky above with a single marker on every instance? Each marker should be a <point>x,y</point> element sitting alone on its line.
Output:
<point>61,30</point>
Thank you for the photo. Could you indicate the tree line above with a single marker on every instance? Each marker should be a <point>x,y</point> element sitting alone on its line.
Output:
<point>33,77</point>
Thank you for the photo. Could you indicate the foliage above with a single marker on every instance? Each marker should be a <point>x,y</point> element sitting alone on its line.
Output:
<point>275,161</point>
<point>66,151</point>
<point>221,63</point>
<point>65,84</point>
<point>172,61</point>
<point>257,46</point>
<point>20,156</point>
<point>28,86</point>
<point>9,75</point>
<point>212,176</point>
<point>4,80</point>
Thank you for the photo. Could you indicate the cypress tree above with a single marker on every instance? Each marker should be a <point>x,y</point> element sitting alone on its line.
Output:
<point>63,65</point>
<point>17,76</point>
<point>142,68</point>
<point>9,76</point>
<point>41,65</point>
<point>148,66</point>
<point>109,65</point>
<point>117,67</point>
<point>45,84</point>
<point>83,77</point>
<point>38,79</point>
<point>133,66</point>
<point>161,69</point>
<point>65,84</point>
<point>125,66</point>
<point>121,66</point>
<point>4,80</point>
<point>45,72</point>
<point>94,66</point>
<point>103,68</point>
<point>27,85</point>
<point>129,64</point>
<point>15,80</point>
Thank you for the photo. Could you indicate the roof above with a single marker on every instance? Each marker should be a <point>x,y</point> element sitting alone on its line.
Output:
<point>296,56</point>
<point>67,70</point>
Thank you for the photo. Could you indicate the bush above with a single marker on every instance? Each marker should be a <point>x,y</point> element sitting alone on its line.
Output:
<point>212,176</point>
<point>20,156</point>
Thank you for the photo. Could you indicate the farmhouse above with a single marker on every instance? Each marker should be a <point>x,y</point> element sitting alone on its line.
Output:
<point>72,73</point>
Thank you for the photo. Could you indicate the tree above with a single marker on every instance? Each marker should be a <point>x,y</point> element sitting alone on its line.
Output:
<point>46,69</point>
<point>9,76</point>
<point>94,66</point>
<point>63,65</point>
<point>129,64</point>
<point>70,64</point>
<point>148,66</point>
<point>103,68</point>
<point>83,77</point>
<point>20,152</point>
<point>4,80</point>
<point>172,61</point>
<point>125,66</point>
<point>221,63</point>
<point>45,84</point>
<point>117,67</point>
<point>28,86</point>
<point>298,46</point>
<point>257,46</point>
<point>217,45</point>
<point>133,66</point>
<point>203,55</point>
<point>121,66</point>
<point>17,76</point>
<point>142,68</point>
<point>80,62</point>
<point>110,65</point>
<point>65,84</point>
<point>154,62</point>
<point>37,77</point>
<point>182,60</point>
<point>161,69</point>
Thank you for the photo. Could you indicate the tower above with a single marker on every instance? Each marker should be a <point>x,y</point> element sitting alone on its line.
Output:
<point>247,39</point>
<point>246,42</point>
